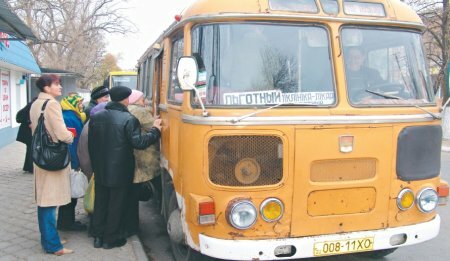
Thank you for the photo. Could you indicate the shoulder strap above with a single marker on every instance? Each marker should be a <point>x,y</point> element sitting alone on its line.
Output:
<point>44,105</point>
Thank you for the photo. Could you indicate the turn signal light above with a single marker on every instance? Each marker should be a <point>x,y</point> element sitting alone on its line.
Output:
<point>442,191</point>
<point>405,199</point>
<point>207,213</point>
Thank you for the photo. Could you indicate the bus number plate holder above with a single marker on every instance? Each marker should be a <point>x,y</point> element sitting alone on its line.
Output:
<point>343,246</point>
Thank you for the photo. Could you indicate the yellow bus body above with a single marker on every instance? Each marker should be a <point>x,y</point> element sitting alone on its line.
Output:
<point>324,191</point>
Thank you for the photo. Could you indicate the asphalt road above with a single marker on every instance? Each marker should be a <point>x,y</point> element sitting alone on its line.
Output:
<point>157,245</point>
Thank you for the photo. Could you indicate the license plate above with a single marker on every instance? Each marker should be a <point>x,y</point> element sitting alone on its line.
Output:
<point>343,246</point>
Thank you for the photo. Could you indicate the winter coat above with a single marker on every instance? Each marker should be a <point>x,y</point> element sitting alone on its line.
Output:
<point>72,121</point>
<point>52,188</point>
<point>23,117</point>
<point>87,110</point>
<point>147,161</point>
<point>83,152</point>
<point>73,118</point>
<point>113,135</point>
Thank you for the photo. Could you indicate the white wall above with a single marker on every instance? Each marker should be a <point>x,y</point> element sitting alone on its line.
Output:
<point>18,95</point>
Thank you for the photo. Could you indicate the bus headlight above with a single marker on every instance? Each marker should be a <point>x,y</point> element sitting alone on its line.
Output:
<point>271,209</point>
<point>405,199</point>
<point>242,214</point>
<point>427,200</point>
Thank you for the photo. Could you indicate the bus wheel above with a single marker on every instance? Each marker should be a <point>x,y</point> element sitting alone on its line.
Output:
<point>180,250</point>
<point>377,253</point>
<point>166,192</point>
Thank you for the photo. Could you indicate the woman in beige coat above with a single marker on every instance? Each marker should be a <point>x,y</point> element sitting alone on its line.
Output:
<point>52,188</point>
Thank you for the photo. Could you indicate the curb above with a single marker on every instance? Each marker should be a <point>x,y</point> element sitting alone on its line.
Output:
<point>138,249</point>
<point>445,149</point>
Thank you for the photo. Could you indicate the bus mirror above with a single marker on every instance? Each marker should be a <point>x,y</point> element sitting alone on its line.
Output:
<point>187,72</point>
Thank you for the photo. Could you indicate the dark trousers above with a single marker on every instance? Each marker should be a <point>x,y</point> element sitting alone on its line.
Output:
<point>66,214</point>
<point>132,212</point>
<point>110,205</point>
<point>28,164</point>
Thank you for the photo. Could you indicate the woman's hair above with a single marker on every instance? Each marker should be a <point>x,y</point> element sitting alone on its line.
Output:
<point>47,80</point>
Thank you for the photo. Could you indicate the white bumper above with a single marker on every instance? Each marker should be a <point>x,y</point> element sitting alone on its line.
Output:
<point>264,249</point>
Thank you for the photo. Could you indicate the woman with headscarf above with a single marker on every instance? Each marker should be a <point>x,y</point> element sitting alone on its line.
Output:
<point>146,161</point>
<point>74,118</point>
<point>52,188</point>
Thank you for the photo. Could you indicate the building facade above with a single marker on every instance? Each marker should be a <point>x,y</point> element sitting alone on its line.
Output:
<point>16,65</point>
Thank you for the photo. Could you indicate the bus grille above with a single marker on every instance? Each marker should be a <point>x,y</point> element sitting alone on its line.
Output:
<point>242,161</point>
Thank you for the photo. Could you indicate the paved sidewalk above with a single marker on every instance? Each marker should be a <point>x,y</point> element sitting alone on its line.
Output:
<point>19,231</point>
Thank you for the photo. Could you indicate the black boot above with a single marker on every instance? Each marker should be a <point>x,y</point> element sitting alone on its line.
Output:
<point>98,242</point>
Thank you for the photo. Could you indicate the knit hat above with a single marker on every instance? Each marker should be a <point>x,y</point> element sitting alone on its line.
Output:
<point>99,92</point>
<point>135,96</point>
<point>119,93</point>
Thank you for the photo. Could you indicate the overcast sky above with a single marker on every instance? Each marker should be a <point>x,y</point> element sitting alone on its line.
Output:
<point>151,19</point>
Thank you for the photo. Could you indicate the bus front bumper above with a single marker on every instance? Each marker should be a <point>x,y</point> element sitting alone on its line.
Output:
<point>314,245</point>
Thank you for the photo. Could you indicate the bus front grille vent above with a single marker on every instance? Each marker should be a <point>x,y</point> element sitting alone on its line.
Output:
<point>243,161</point>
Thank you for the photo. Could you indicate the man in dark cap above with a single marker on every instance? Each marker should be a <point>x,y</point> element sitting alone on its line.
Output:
<point>98,95</point>
<point>113,134</point>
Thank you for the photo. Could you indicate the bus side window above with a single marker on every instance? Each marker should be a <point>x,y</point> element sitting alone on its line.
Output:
<point>175,92</point>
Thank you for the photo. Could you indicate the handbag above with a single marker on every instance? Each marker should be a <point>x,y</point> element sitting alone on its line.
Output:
<point>78,184</point>
<point>89,197</point>
<point>47,154</point>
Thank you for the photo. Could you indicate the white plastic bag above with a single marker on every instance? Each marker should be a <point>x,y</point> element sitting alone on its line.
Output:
<point>78,184</point>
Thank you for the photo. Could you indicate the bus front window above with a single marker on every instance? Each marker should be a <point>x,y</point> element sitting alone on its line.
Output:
<point>129,81</point>
<point>385,72</point>
<point>263,64</point>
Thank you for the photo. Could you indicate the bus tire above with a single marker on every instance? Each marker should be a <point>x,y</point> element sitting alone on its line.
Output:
<point>377,254</point>
<point>181,251</point>
<point>166,191</point>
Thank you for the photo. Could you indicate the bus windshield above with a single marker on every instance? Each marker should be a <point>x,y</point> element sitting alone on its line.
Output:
<point>129,81</point>
<point>263,64</point>
<point>390,71</point>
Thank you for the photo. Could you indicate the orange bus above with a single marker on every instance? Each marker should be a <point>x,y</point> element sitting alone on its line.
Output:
<point>295,128</point>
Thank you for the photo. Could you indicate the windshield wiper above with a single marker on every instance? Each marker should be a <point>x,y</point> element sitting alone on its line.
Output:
<point>238,119</point>
<point>389,96</point>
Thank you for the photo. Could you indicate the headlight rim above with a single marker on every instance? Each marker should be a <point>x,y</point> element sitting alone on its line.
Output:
<point>264,203</point>
<point>419,195</point>
<point>399,198</point>
<point>232,205</point>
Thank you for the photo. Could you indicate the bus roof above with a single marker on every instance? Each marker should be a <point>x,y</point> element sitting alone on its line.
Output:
<point>395,9</point>
<point>396,13</point>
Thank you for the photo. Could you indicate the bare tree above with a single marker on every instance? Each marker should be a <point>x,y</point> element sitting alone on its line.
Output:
<point>436,16</point>
<point>71,32</point>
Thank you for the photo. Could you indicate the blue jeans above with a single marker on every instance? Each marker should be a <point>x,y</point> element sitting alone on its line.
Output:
<point>47,226</point>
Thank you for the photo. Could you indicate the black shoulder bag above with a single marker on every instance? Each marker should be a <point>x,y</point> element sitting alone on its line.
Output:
<point>47,154</point>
